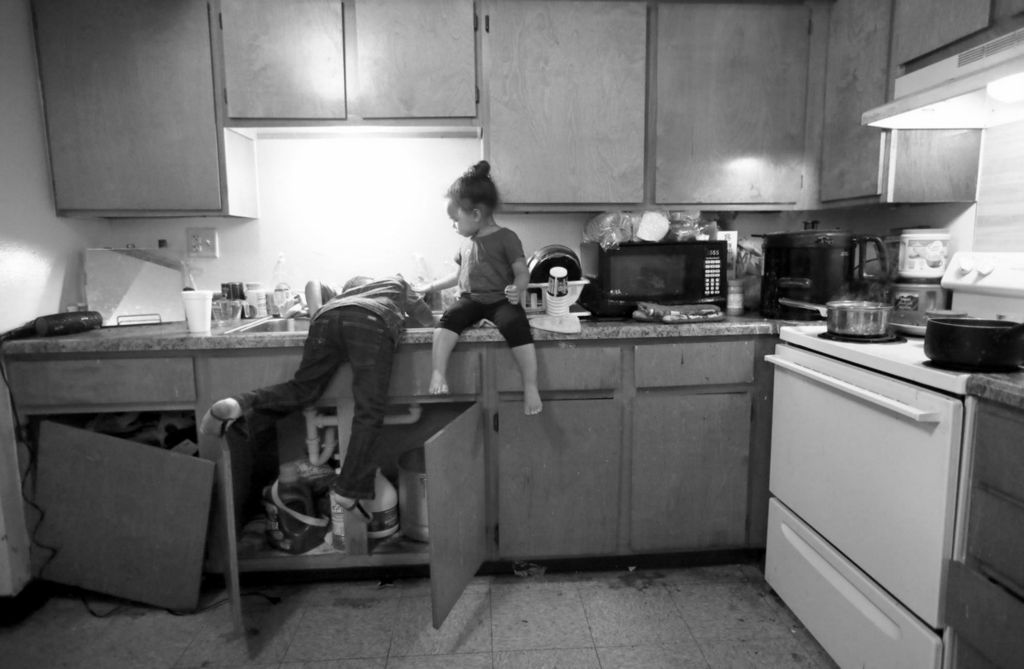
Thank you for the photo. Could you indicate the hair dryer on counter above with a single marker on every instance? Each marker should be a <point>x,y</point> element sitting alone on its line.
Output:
<point>56,324</point>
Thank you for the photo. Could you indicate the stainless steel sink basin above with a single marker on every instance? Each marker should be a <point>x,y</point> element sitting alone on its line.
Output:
<point>271,326</point>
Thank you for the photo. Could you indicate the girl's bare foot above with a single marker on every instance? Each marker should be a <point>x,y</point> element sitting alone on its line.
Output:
<point>531,401</point>
<point>438,384</point>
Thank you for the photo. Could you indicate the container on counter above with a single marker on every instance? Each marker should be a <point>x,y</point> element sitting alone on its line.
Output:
<point>923,254</point>
<point>918,297</point>
<point>734,301</point>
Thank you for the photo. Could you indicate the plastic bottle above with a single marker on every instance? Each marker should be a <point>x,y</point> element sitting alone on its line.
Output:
<point>383,508</point>
<point>337,522</point>
<point>282,290</point>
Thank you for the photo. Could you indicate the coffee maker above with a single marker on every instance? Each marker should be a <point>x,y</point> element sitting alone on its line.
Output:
<point>818,266</point>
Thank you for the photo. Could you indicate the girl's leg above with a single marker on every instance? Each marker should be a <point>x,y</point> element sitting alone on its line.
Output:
<point>459,316</point>
<point>444,342</point>
<point>526,358</point>
<point>515,327</point>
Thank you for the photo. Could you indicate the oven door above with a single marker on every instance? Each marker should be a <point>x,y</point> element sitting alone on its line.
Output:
<point>870,463</point>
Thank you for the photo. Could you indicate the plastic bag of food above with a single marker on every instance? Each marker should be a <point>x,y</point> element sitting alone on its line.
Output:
<point>609,229</point>
<point>652,227</point>
<point>683,226</point>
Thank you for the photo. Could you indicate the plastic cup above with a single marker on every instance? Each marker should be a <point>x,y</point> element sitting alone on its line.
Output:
<point>198,309</point>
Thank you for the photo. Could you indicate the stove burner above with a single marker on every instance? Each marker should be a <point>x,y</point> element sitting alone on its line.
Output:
<point>879,339</point>
<point>979,369</point>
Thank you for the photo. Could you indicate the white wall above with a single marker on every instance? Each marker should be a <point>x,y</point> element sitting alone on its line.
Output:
<point>340,206</point>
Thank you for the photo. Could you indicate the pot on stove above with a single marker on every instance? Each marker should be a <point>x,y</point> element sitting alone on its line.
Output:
<point>858,319</point>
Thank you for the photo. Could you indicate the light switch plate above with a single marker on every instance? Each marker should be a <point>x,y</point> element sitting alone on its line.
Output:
<point>202,243</point>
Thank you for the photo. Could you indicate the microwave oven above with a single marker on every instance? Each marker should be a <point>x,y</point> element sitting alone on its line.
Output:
<point>670,273</point>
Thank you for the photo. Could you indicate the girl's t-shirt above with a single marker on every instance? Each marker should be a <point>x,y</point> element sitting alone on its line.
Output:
<point>485,264</point>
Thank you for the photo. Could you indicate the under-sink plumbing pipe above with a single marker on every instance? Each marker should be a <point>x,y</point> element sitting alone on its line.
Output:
<point>337,429</point>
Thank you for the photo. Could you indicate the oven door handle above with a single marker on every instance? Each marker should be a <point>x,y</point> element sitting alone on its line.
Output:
<point>895,406</point>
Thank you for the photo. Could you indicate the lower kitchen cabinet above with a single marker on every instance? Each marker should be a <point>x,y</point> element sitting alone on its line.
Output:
<point>643,446</point>
<point>689,473</point>
<point>558,484</point>
<point>985,600</point>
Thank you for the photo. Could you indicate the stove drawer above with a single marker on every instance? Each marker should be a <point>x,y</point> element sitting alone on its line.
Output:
<point>855,621</point>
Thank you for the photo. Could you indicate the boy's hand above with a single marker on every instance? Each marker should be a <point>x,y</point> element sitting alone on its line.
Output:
<point>512,293</point>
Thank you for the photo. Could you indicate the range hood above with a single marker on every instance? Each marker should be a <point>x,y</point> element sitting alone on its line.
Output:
<point>979,88</point>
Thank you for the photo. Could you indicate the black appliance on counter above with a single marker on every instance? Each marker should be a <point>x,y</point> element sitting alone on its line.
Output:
<point>661,272</point>
<point>818,266</point>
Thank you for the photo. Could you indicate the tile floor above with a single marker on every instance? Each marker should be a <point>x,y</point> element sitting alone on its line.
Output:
<point>720,616</point>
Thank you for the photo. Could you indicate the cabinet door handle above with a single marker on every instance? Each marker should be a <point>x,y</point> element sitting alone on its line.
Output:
<point>895,406</point>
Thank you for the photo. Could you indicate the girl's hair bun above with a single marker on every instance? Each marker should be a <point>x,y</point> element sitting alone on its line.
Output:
<point>481,170</point>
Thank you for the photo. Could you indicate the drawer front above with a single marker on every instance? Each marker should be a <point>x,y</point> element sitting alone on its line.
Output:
<point>55,383</point>
<point>410,375</point>
<point>694,364</point>
<point>999,457</point>
<point>987,616</point>
<point>564,367</point>
<point>994,534</point>
<point>855,621</point>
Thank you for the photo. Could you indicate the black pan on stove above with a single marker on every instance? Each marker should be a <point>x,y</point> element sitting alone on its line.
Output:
<point>975,344</point>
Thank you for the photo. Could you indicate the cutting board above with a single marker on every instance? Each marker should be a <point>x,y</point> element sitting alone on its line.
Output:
<point>133,286</point>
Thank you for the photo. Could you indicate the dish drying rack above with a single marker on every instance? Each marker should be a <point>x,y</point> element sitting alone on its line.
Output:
<point>536,300</point>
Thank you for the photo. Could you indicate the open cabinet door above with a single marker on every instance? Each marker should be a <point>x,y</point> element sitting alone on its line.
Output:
<point>455,508</point>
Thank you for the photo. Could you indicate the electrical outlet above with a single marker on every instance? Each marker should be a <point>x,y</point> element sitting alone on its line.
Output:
<point>202,243</point>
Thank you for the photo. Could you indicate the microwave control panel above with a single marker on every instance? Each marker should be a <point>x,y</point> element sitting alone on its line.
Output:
<point>713,266</point>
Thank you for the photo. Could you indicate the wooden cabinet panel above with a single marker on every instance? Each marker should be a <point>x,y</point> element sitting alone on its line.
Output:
<point>998,452</point>
<point>995,537</point>
<point>856,79</point>
<point>565,89</point>
<point>410,373</point>
<point>935,165</point>
<point>731,97</point>
<point>986,615</point>
<point>558,479</point>
<point>284,59</point>
<point>99,381</point>
<point>415,59</point>
<point>128,99</point>
<point>564,367</point>
<point>691,364</point>
<point>921,26</point>
<point>689,474</point>
<point>412,368</point>
<point>456,477</point>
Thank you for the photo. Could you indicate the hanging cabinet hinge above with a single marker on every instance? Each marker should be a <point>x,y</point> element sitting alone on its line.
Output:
<point>497,539</point>
<point>810,25</point>
<point>494,422</point>
<point>487,23</point>
<point>476,22</point>
<point>220,20</point>
<point>477,94</point>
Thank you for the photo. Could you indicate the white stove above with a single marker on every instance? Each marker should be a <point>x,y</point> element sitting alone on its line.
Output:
<point>984,285</point>
<point>867,441</point>
<point>903,359</point>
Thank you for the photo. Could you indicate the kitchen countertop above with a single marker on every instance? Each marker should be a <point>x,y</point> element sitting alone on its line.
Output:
<point>1006,389</point>
<point>175,336</point>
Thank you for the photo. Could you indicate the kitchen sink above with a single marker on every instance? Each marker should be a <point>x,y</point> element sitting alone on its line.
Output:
<point>271,325</point>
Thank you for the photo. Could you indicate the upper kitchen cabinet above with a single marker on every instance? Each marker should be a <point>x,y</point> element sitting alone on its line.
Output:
<point>284,59</point>
<point>131,119</point>
<point>730,101</point>
<point>922,26</point>
<point>565,87</point>
<point>415,59</point>
<point>861,164</point>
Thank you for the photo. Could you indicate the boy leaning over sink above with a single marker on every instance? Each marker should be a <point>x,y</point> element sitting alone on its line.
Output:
<point>360,324</point>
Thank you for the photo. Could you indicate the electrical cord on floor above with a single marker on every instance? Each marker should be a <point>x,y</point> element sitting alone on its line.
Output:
<point>21,436</point>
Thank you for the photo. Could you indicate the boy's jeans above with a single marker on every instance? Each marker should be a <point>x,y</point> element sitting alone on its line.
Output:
<point>345,334</point>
